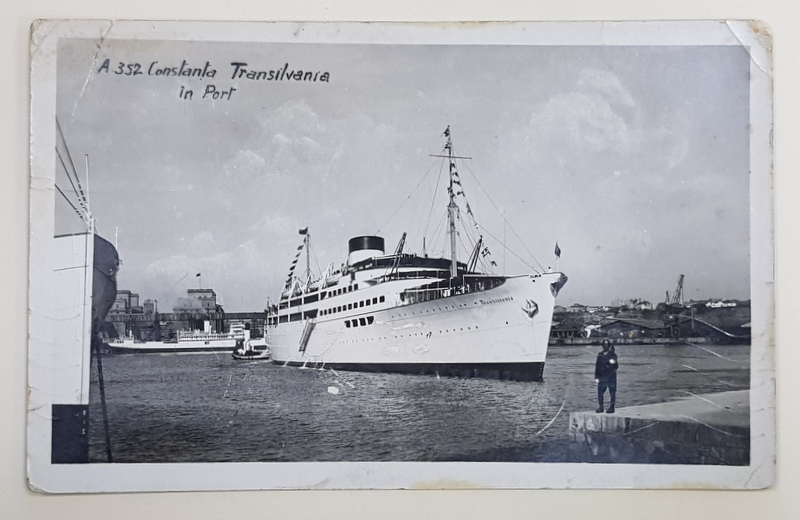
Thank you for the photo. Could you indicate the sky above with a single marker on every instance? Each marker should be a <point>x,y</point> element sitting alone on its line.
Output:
<point>634,159</point>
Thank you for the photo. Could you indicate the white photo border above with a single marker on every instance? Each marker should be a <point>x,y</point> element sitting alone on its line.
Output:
<point>45,385</point>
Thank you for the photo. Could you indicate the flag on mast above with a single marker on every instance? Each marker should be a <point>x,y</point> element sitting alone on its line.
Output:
<point>558,251</point>
<point>304,231</point>
<point>198,274</point>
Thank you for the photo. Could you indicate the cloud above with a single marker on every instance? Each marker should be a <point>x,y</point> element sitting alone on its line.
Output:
<point>202,244</point>
<point>262,197</point>
<point>235,271</point>
<point>606,83</point>
<point>599,115</point>
<point>599,126</point>
<point>244,164</point>
<point>296,140</point>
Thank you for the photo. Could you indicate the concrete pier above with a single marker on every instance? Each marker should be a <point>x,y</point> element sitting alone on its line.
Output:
<point>700,429</point>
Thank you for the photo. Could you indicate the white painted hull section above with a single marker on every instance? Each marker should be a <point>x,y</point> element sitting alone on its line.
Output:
<point>485,327</point>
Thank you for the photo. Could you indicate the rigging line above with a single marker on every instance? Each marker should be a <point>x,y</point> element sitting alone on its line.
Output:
<point>316,260</point>
<point>95,345</point>
<point>174,286</point>
<point>71,172</point>
<point>484,262</point>
<point>503,216</point>
<point>69,156</point>
<point>433,200</point>
<point>438,228</point>
<point>71,204</point>
<point>465,231</point>
<point>513,231</point>
<point>467,250</point>
<point>471,228</point>
<point>81,201</point>
<point>472,241</point>
<point>406,200</point>
<point>512,252</point>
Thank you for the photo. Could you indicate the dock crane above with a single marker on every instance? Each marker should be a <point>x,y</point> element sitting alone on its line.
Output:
<point>677,295</point>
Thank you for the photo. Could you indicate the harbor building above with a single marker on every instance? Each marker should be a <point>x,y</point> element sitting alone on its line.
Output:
<point>125,304</point>
<point>198,310</point>
<point>207,298</point>
<point>126,301</point>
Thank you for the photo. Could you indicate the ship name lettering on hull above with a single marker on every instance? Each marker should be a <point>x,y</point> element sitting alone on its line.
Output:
<point>496,300</point>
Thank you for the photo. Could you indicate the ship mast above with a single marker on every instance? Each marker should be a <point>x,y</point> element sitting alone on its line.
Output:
<point>308,257</point>
<point>452,207</point>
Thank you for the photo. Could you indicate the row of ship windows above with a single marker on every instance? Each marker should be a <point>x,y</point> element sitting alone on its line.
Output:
<point>363,322</point>
<point>337,292</point>
<point>351,306</point>
<point>311,298</point>
<point>360,304</point>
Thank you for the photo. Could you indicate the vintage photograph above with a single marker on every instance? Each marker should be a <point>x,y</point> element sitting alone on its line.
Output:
<point>372,255</point>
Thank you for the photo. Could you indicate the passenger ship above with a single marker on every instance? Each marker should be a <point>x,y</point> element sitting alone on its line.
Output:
<point>187,341</point>
<point>402,312</point>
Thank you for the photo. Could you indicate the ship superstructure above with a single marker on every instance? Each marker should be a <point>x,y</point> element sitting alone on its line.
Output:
<point>403,312</point>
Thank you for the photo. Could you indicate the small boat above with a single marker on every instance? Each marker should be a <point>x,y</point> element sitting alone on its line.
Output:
<point>247,350</point>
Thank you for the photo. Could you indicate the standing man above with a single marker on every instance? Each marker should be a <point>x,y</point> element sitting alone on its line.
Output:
<point>605,375</point>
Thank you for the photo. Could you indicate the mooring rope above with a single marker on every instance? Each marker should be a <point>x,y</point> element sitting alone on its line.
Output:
<point>98,356</point>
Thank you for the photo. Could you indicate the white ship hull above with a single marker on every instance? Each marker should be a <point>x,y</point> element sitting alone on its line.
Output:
<point>160,347</point>
<point>489,333</point>
<point>405,312</point>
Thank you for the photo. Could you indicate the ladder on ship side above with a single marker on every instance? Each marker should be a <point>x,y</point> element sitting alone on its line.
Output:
<point>309,328</point>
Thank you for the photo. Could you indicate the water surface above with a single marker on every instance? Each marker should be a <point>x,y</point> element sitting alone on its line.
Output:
<point>211,408</point>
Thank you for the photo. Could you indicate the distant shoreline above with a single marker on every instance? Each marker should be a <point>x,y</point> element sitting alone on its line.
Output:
<point>566,342</point>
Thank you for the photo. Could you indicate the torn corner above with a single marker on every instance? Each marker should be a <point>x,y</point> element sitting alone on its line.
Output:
<point>39,31</point>
<point>756,37</point>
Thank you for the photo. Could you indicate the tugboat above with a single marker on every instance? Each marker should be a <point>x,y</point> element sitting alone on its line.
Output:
<point>410,313</point>
<point>247,350</point>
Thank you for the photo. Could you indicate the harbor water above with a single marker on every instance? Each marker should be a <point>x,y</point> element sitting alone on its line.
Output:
<point>211,408</point>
